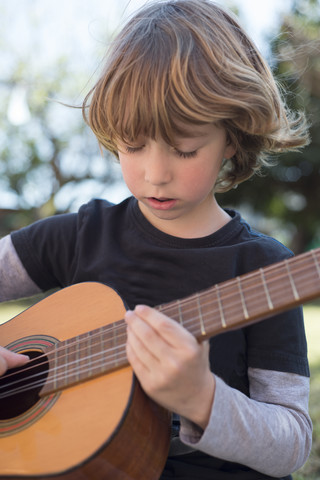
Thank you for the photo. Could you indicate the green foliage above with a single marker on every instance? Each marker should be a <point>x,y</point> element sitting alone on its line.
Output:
<point>51,150</point>
<point>49,159</point>
<point>289,192</point>
<point>50,162</point>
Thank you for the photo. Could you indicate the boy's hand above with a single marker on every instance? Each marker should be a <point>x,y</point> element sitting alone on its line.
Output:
<point>10,359</point>
<point>172,367</point>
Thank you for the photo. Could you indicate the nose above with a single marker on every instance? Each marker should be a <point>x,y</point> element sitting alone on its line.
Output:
<point>158,169</point>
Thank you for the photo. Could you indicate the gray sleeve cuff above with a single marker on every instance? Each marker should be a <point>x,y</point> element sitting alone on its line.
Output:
<point>269,432</point>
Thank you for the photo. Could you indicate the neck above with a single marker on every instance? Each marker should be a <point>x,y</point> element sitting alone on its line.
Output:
<point>204,220</point>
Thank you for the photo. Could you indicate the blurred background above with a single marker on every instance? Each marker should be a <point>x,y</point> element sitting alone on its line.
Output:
<point>51,54</point>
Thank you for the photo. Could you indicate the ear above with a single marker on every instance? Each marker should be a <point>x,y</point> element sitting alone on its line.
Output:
<point>230,150</point>
<point>231,142</point>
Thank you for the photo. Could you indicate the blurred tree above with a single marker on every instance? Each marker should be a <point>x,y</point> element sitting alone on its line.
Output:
<point>49,160</point>
<point>289,192</point>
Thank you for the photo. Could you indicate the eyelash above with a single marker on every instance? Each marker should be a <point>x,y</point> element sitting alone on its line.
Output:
<point>186,154</point>
<point>133,149</point>
<point>178,152</point>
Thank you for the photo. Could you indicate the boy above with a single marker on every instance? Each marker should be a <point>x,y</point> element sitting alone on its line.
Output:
<point>189,108</point>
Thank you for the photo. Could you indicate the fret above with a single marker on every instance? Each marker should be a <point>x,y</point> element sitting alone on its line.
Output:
<point>294,290</point>
<point>77,357</point>
<point>115,344</point>
<point>234,303</point>
<point>203,331</point>
<point>103,350</point>
<point>180,317</point>
<point>64,378</point>
<point>223,320</point>
<point>243,302</point>
<point>110,348</point>
<point>55,367</point>
<point>121,347</point>
<point>83,354</point>
<point>70,353</point>
<point>266,291</point>
<point>316,262</point>
<point>88,355</point>
<point>106,344</point>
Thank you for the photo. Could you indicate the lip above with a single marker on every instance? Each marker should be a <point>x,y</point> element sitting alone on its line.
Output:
<point>161,203</point>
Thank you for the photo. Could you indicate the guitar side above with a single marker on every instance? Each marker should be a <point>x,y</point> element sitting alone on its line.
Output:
<point>99,429</point>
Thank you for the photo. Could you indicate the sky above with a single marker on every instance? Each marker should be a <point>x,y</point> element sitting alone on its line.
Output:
<point>81,25</point>
<point>259,17</point>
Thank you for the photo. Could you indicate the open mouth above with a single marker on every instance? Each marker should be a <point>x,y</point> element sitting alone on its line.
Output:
<point>161,202</point>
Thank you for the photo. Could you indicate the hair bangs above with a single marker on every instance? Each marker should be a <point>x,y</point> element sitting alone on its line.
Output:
<point>153,87</point>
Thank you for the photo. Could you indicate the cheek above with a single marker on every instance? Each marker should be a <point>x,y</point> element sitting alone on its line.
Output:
<point>201,178</point>
<point>129,171</point>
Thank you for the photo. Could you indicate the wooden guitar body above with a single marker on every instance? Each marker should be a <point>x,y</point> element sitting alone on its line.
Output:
<point>104,428</point>
<point>85,416</point>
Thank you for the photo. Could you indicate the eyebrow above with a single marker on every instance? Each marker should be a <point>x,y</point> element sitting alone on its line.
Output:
<point>187,135</point>
<point>194,133</point>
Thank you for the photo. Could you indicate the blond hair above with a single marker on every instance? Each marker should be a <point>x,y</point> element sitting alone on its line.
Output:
<point>178,63</point>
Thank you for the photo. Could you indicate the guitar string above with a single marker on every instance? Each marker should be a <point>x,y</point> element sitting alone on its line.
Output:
<point>254,274</point>
<point>63,376</point>
<point>84,369</point>
<point>109,349</point>
<point>40,383</point>
<point>62,348</point>
<point>63,367</point>
<point>232,286</point>
<point>172,305</point>
<point>230,306</point>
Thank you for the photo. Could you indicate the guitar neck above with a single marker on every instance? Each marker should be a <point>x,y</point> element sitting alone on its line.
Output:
<point>229,305</point>
<point>249,298</point>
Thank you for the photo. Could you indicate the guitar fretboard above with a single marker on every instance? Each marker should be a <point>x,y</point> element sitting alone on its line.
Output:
<point>250,297</point>
<point>225,306</point>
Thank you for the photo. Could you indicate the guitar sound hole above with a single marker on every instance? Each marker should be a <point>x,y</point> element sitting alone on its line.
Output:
<point>20,387</point>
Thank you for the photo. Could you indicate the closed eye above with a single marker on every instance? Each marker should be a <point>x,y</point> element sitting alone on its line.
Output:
<point>186,154</point>
<point>133,149</point>
<point>129,149</point>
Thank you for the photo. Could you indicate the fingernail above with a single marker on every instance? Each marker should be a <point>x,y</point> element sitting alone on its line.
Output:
<point>139,308</point>
<point>128,315</point>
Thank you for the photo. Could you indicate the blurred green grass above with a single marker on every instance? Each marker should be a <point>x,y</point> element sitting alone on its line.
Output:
<point>311,470</point>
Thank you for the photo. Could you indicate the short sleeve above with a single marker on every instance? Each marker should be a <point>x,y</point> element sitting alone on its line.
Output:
<point>47,249</point>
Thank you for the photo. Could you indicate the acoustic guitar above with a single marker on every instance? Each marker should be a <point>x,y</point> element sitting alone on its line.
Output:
<point>76,411</point>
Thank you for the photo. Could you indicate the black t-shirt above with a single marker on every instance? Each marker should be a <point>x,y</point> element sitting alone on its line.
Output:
<point>116,245</point>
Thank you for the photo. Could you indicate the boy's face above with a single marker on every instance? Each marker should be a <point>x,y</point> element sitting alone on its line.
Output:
<point>173,185</point>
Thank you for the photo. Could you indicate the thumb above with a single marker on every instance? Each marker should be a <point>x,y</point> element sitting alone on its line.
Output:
<point>10,359</point>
